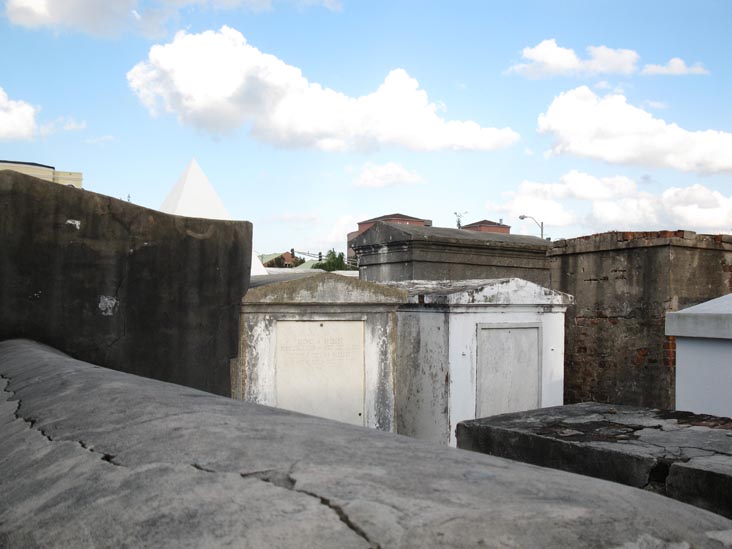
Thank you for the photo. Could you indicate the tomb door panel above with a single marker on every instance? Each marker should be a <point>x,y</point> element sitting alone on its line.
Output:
<point>508,368</point>
<point>320,368</point>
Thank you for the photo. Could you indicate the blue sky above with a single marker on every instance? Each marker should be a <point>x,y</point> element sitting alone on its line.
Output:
<point>308,116</point>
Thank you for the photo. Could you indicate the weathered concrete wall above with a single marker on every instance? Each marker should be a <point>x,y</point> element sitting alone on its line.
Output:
<point>120,285</point>
<point>389,252</point>
<point>96,458</point>
<point>624,284</point>
<point>422,379</point>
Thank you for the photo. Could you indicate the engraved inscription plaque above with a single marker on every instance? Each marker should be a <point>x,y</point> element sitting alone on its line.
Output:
<point>320,368</point>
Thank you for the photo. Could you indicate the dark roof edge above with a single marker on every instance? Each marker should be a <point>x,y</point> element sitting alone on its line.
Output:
<point>27,164</point>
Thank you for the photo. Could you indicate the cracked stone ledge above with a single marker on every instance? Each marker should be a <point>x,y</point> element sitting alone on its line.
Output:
<point>647,446</point>
<point>275,477</point>
<point>286,481</point>
<point>33,425</point>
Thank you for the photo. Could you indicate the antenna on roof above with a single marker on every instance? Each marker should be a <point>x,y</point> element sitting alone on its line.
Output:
<point>459,218</point>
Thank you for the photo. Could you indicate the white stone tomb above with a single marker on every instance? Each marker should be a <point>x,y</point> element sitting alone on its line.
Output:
<point>703,356</point>
<point>476,348</point>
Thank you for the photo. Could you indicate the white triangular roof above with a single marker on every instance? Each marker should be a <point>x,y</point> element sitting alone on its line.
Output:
<point>257,267</point>
<point>194,196</point>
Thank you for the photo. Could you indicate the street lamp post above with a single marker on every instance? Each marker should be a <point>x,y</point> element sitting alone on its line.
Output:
<point>539,223</point>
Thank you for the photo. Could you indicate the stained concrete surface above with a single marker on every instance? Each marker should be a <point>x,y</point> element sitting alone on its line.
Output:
<point>120,285</point>
<point>93,457</point>
<point>683,455</point>
<point>389,252</point>
<point>624,283</point>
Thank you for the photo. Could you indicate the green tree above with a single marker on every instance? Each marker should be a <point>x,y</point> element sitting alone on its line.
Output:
<point>334,262</point>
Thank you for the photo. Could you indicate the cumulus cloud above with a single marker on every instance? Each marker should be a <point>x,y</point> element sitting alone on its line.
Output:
<point>674,67</point>
<point>218,82</point>
<point>547,58</point>
<point>616,203</point>
<point>582,186</point>
<point>17,118</point>
<point>104,17</point>
<point>386,175</point>
<point>609,129</point>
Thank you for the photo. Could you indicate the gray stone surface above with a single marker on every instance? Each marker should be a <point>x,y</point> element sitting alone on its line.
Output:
<point>119,285</point>
<point>389,252</point>
<point>288,274</point>
<point>96,458</point>
<point>683,455</point>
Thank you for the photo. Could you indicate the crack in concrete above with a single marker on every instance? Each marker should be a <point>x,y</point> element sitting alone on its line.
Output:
<point>109,458</point>
<point>199,467</point>
<point>285,480</point>
<point>32,424</point>
<point>709,451</point>
<point>273,476</point>
<point>344,518</point>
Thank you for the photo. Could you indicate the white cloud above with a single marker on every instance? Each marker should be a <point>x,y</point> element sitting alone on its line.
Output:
<point>17,118</point>
<point>604,60</point>
<point>549,59</point>
<point>65,123</point>
<point>90,16</point>
<point>104,17</point>
<point>674,67</point>
<point>386,175</point>
<point>616,203</point>
<point>698,206</point>
<point>582,186</point>
<point>217,82</point>
<point>609,129</point>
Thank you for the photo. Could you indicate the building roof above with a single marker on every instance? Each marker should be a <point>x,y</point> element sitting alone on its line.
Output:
<point>269,257</point>
<point>397,232</point>
<point>393,216</point>
<point>485,222</point>
<point>27,164</point>
<point>496,291</point>
<point>308,265</point>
